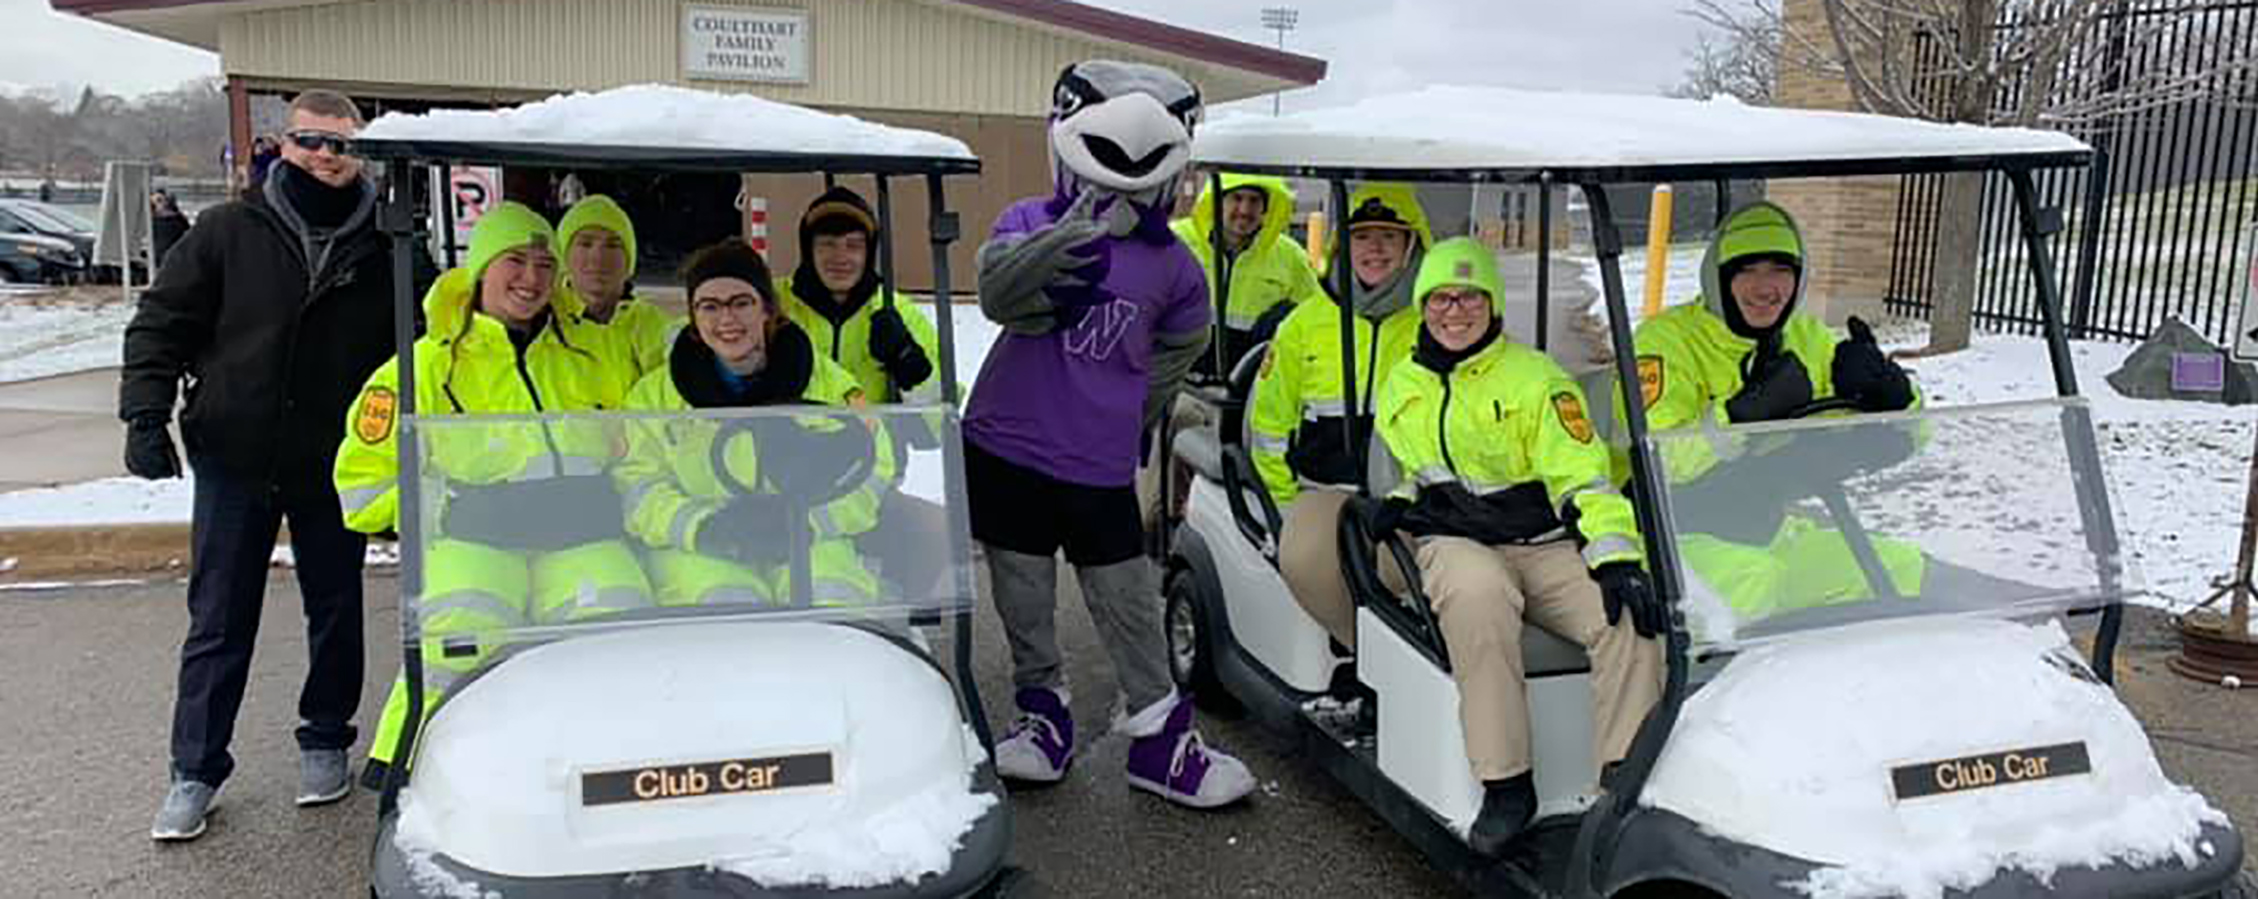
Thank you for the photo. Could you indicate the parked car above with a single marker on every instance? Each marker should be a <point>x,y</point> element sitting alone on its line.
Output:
<point>39,259</point>
<point>48,219</point>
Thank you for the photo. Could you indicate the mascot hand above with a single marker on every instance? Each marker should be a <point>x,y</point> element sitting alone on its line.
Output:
<point>1016,270</point>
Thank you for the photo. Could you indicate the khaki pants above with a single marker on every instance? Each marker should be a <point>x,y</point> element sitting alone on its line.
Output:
<point>1309,556</point>
<point>1481,596</point>
<point>1186,414</point>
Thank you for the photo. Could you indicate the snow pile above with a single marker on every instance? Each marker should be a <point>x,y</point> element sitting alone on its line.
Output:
<point>430,879</point>
<point>1791,748</point>
<point>42,339</point>
<point>122,500</point>
<point>666,117</point>
<point>1446,127</point>
<point>913,838</point>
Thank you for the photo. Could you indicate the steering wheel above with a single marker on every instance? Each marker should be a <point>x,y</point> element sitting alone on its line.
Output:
<point>807,465</point>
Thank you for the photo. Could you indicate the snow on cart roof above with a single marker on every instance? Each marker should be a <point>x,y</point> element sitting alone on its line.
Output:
<point>1445,133</point>
<point>659,125</point>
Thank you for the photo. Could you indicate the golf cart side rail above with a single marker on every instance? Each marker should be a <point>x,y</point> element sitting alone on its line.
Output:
<point>581,156</point>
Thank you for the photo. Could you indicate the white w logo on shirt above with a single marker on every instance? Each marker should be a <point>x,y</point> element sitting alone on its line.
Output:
<point>1101,329</point>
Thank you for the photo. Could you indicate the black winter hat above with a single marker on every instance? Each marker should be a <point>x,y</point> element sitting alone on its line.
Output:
<point>728,259</point>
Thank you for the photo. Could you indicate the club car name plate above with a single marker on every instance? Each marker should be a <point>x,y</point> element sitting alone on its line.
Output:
<point>689,780</point>
<point>1993,769</point>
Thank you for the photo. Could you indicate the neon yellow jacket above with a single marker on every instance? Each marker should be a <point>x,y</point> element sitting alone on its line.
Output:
<point>1272,269</point>
<point>466,364</point>
<point>633,344</point>
<point>848,343</point>
<point>1503,418</point>
<point>1299,398</point>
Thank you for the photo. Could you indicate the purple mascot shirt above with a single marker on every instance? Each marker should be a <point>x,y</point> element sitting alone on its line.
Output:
<point>1070,403</point>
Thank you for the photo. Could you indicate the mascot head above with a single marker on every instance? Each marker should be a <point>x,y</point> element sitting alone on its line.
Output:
<point>1122,129</point>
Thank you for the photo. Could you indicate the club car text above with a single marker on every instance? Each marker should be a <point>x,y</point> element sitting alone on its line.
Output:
<point>694,779</point>
<point>1976,772</point>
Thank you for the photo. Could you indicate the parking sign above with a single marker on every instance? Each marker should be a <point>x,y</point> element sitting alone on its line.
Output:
<point>2246,331</point>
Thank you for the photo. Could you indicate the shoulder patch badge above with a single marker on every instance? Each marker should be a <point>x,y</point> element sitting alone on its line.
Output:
<point>1572,418</point>
<point>373,422</point>
<point>1650,380</point>
<point>1269,359</point>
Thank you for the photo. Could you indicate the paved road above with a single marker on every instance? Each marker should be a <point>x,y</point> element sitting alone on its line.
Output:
<point>85,676</point>
<point>94,668</point>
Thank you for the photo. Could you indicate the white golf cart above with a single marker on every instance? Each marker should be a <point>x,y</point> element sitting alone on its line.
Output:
<point>1883,703</point>
<point>786,742</point>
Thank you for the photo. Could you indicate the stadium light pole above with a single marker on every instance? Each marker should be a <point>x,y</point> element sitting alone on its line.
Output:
<point>1280,19</point>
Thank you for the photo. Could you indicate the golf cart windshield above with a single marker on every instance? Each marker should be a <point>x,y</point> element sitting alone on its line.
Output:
<point>1795,526</point>
<point>538,527</point>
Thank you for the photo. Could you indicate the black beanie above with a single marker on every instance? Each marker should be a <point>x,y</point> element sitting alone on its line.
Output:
<point>728,259</point>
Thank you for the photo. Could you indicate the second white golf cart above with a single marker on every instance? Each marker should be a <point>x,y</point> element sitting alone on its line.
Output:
<point>1915,723</point>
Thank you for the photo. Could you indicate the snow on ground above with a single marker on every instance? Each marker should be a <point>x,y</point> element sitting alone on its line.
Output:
<point>661,116</point>
<point>2178,469</point>
<point>120,500</point>
<point>40,337</point>
<point>1682,284</point>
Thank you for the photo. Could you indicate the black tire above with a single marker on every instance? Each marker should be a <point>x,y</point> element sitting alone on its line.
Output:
<point>1191,642</point>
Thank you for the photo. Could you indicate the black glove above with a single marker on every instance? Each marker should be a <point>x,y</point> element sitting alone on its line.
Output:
<point>1623,585</point>
<point>1866,377</point>
<point>1774,383</point>
<point>751,530</point>
<point>1266,325</point>
<point>149,451</point>
<point>897,351</point>
<point>1382,516</point>
<point>543,515</point>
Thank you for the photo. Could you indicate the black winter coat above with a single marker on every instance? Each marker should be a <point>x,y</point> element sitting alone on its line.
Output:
<point>272,353</point>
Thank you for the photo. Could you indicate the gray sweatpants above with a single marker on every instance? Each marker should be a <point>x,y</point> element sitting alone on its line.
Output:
<point>1124,602</point>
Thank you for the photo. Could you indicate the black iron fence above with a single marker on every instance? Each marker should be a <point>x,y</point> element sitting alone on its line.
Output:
<point>2161,227</point>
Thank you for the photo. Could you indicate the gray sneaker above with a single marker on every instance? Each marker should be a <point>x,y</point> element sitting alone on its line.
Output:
<point>323,777</point>
<point>186,806</point>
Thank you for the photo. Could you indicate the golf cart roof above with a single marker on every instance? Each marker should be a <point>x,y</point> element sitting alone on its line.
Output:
<point>663,127</point>
<point>1501,134</point>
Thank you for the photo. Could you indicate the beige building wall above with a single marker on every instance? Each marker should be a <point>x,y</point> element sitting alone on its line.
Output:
<point>863,54</point>
<point>1849,224</point>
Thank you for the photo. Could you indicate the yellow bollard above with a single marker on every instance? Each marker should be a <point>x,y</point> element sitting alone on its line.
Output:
<point>1657,249</point>
<point>1316,247</point>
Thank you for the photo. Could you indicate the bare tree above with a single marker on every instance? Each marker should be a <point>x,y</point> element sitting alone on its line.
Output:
<point>2043,63</point>
<point>1738,64</point>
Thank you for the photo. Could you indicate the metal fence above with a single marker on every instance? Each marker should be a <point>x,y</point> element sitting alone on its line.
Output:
<point>2161,233</point>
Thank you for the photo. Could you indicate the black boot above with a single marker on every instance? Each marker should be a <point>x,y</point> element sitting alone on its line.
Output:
<point>1507,807</point>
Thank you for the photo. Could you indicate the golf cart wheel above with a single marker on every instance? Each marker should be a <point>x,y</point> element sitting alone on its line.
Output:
<point>1191,648</point>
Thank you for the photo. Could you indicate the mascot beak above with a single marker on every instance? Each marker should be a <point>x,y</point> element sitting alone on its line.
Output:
<point>1127,144</point>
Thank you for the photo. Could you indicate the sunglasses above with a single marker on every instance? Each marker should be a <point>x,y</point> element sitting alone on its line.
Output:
<point>316,141</point>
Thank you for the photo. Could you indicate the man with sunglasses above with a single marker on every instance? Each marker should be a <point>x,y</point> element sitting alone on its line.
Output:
<point>274,308</point>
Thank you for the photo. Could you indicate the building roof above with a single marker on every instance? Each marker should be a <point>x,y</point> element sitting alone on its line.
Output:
<point>194,22</point>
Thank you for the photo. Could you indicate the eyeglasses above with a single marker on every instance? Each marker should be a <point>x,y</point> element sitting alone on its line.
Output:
<point>1448,300</point>
<point>739,306</point>
<point>314,141</point>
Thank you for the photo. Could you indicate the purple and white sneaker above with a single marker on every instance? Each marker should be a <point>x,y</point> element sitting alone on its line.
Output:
<point>1168,759</point>
<point>1041,743</point>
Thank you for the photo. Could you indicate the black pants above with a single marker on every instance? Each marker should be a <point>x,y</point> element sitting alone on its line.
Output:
<point>232,540</point>
<point>1026,511</point>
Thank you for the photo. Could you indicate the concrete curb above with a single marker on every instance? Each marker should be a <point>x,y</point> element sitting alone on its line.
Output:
<point>44,553</point>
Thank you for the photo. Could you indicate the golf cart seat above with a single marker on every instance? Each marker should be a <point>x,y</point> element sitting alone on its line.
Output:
<point>1219,453</point>
<point>1542,652</point>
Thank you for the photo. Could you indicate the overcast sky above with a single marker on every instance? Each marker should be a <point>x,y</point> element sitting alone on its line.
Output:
<point>1374,46</point>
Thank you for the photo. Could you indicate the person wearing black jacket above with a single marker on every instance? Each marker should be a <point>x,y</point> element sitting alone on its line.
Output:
<point>273,310</point>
